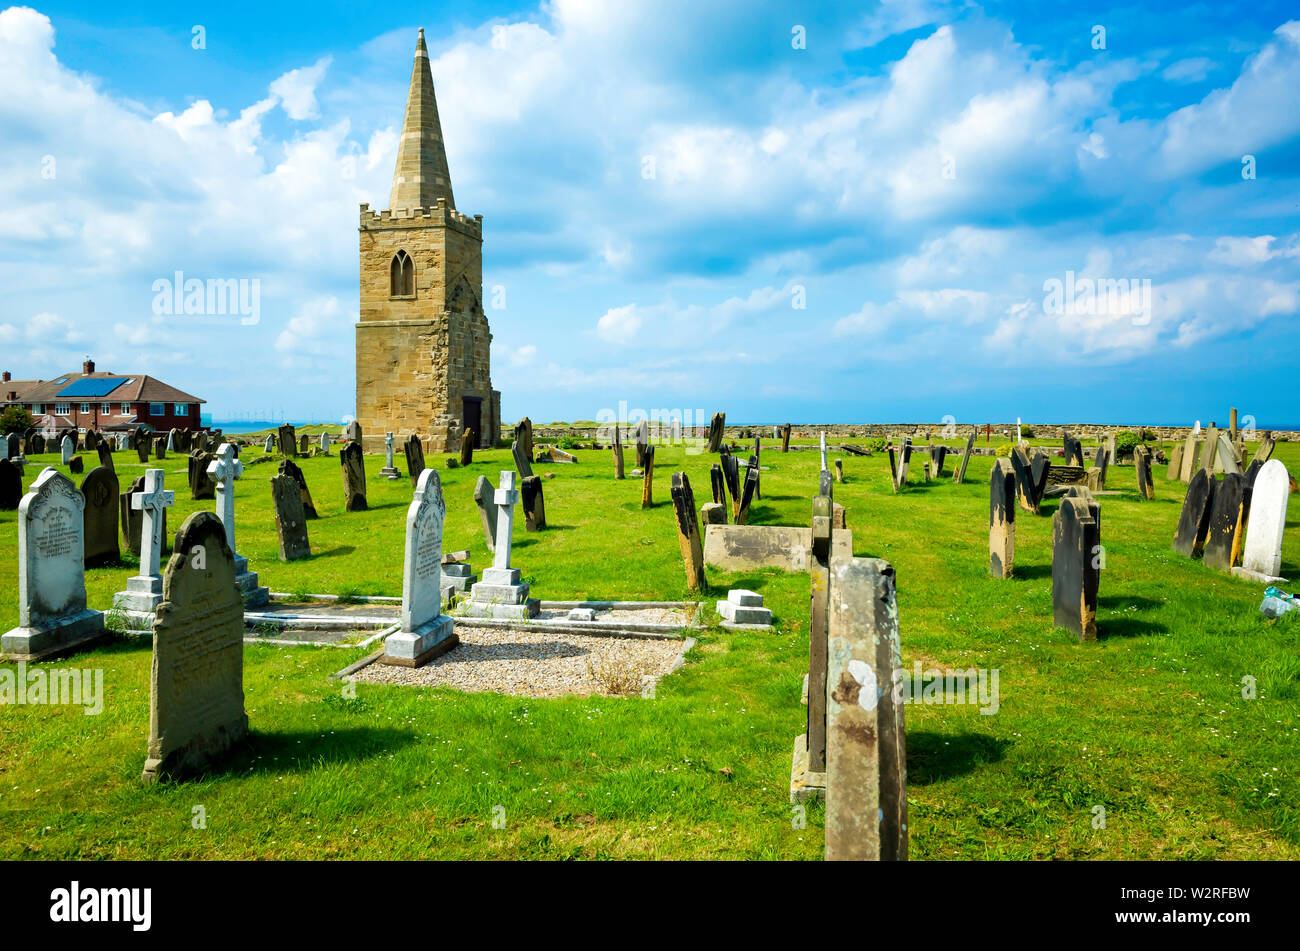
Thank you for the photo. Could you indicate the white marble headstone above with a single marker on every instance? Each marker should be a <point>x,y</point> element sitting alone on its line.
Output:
<point>68,449</point>
<point>422,567</point>
<point>1263,551</point>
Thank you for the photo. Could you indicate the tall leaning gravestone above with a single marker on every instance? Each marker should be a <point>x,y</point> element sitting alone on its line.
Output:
<point>196,702</point>
<point>52,614</point>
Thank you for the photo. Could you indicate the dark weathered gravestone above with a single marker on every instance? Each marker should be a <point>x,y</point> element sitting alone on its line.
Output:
<point>747,495</point>
<point>1002,519</point>
<point>99,517</point>
<point>467,447</point>
<point>866,772</point>
<point>1265,451</point>
<point>937,456</point>
<point>1252,472</point>
<point>530,491</point>
<point>484,496</point>
<point>290,468</point>
<point>1142,466</point>
<point>11,486</point>
<point>13,446</point>
<point>1076,563</point>
<point>898,468</point>
<point>201,484</point>
<point>290,519</point>
<point>1194,522</point>
<point>718,484</point>
<point>353,465</point>
<point>688,530</point>
<point>105,454</point>
<point>642,441</point>
<point>819,568</point>
<point>618,451</point>
<point>785,438</point>
<point>647,478</point>
<point>524,436</point>
<point>731,478</point>
<point>352,432</point>
<point>414,457</point>
<point>304,445</point>
<point>1226,533</point>
<point>76,466</point>
<point>196,706</point>
<point>36,444</point>
<point>1175,462</point>
<point>1073,450</point>
<point>160,448</point>
<point>1028,489</point>
<point>287,438</point>
<point>716,425</point>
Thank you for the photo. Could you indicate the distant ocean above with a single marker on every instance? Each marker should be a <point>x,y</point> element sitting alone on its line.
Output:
<point>235,427</point>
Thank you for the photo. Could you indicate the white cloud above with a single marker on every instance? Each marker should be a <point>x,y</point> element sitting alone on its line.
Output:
<point>296,89</point>
<point>619,324</point>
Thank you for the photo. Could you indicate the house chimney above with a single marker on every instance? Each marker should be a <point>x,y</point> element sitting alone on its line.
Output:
<point>6,377</point>
<point>88,367</point>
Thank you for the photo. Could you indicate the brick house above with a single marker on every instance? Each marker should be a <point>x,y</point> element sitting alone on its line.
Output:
<point>102,401</point>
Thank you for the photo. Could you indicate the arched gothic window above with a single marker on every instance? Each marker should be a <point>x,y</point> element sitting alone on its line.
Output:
<point>401,276</point>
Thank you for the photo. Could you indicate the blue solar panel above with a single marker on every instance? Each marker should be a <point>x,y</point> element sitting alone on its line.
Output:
<point>93,386</point>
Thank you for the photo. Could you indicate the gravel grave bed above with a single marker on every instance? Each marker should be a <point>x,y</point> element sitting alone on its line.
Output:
<point>536,664</point>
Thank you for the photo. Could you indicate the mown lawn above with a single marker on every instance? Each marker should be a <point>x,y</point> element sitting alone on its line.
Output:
<point>1149,722</point>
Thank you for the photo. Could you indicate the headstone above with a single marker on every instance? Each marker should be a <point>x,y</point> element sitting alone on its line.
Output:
<point>1209,449</point>
<point>716,425</point>
<point>483,495</point>
<point>937,456</point>
<point>13,446</point>
<point>642,443</point>
<point>52,614</point>
<point>744,608</point>
<point>866,766</point>
<point>1226,456</point>
<point>1262,554</point>
<point>223,472</point>
<point>11,486</point>
<point>718,485</point>
<point>647,477</point>
<point>823,449</point>
<point>747,495</point>
<point>1232,423</point>
<point>688,530</point>
<point>290,468</point>
<point>1142,467</point>
<point>839,470</point>
<point>523,459</point>
<point>389,471</point>
<point>352,432</point>
<point>143,446</point>
<point>898,469</point>
<point>75,465</point>
<point>304,444</point>
<point>36,444</point>
<point>1227,530</point>
<point>353,464</point>
<point>1194,521</point>
<point>414,458</point>
<point>1031,478</point>
<point>1265,451</point>
<point>731,478</point>
<point>618,451</point>
<point>67,447</point>
<point>148,501</point>
<point>534,503</point>
<point>1002,519</point>
<point>713,513</point>
<point>501,594</point>
<point>467,447</point>
<point>325,443</point>
<point>99,517</point>
<point>196,707</point>
<point>201,485</point>
<point>960,475</point>
<point>288,439</point>
<point>159,448</point>
<point>105,454</point>
<point>425,631</point>
<point>524,436</point>
<point>290,519</point>
<point>1076,564</point>
<point>1112,448</point>
<point>171,440</point>
<point>269,445</point>
<point>811,752</point>
<point>1175,463</point>
<point>1073,450</point>
<point>785,438</point>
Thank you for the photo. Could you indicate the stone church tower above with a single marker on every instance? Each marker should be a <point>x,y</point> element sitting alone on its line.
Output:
<point>423,338</point>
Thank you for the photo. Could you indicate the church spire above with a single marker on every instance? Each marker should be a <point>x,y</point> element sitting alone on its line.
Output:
<point>421,176</point>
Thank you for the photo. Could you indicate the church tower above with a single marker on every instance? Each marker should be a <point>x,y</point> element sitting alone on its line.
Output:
<point>423,339</point>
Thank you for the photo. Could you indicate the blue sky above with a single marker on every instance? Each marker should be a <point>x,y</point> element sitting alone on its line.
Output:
<point>682,209</point>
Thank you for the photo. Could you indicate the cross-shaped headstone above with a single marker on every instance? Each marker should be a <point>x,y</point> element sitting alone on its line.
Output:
<point>823,450</point>
<point>224,471</point>
<point>505,498</point>
<point>388,448</point>
<point>153,502</point>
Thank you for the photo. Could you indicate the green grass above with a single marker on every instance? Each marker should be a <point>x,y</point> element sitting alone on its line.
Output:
<point>1148,722</point>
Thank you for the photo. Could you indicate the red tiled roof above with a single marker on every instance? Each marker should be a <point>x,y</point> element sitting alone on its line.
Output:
<point>137,388</point>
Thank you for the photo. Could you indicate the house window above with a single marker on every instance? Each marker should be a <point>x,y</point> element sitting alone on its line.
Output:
<point>401,276</point>
<point>106,410</point>
<point>157,409</point>
<point>37,409</point>
<point>126,409</point>
<point>181,409</point>
<point>61,409</point>
<point>85,408</point>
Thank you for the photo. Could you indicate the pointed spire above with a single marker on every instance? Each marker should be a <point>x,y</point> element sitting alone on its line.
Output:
<point>421,176</point>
